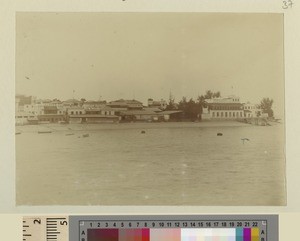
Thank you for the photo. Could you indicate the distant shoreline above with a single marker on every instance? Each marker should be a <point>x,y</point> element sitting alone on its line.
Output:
<point>136,125</point>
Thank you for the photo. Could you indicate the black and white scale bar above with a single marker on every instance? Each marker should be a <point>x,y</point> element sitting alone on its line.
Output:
<point>51,228</point>
<point>56,219</point>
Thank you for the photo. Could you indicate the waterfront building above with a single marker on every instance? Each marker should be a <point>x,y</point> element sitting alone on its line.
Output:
<point>34,108</point>
<point>42,107</point>
<point>223,108</point>
<point>51,114</point>
<point>23,100</point>
<point>75,110</point>
<point>25,110</point>
<point>108,111</point>
<point>92,115</point>
<point>139,115</point>
<point>25,118</point>
<point>149,115</point>
<point>253,110</point>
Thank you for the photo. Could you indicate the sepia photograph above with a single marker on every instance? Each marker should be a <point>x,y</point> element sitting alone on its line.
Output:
<point>149,109</point>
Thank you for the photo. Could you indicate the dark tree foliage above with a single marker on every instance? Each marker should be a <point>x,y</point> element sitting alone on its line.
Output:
<point>191,109</point>
<point>266,106</point>
<point>171,105</point>
<point>209,94</point>
<point>216,94</point>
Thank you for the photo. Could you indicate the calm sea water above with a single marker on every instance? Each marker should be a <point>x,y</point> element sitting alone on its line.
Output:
<point>171,164</point>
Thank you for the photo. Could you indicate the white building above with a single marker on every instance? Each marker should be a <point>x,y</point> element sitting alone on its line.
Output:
<point>75,110</point>
<point>252,110</point>
<point>223,108</point>
<point>23,118</point>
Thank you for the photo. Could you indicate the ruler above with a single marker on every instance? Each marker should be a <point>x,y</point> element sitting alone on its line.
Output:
<point>46,228</point>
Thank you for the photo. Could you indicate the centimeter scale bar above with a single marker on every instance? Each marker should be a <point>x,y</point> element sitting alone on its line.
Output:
<point>45,229</point>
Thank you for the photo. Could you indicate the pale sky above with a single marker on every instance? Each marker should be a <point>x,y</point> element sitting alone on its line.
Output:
<point>147,55</point>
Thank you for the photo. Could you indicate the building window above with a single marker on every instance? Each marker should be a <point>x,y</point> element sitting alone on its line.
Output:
<point>233,114</point>
<point>221,114</point>
<point>217,114</point>
<point>72,112</point>
<point>225,114</point>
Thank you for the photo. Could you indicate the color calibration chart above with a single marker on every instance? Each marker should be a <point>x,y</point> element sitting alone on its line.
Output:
<point>175,228</point>
<point>151,228</point>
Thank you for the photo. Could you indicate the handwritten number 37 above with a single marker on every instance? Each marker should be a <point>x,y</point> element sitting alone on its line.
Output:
<point>287,4</point>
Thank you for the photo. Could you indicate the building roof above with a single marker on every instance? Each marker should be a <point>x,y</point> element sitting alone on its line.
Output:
<point>155,109</point>
<point>149,112</point>
<point>138,112</point>
<point>72,101</point>
<point>94,102</point>
<point>229,104</point>
<point>108,108</point>
<point>170,112</point>
<point>228,99</point>
<point>124,102</point>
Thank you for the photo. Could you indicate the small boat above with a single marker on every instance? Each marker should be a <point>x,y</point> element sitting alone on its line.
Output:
<point>143,132</point>
<point>85,135</point>
<point>70,134</point>
<point>18,133</point>
<point>44,132</point>
<point>219,134</point>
